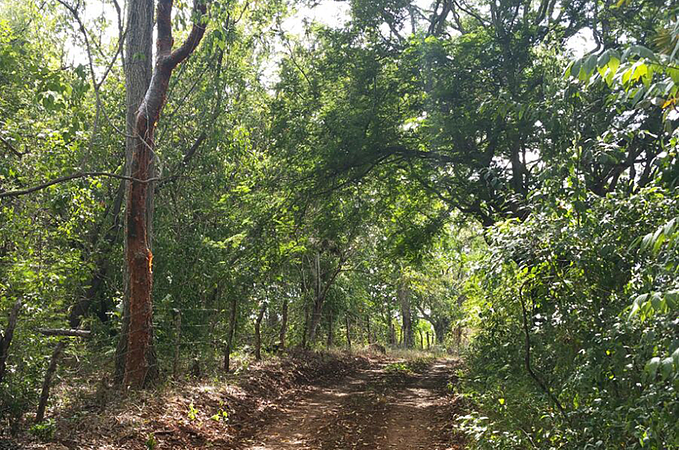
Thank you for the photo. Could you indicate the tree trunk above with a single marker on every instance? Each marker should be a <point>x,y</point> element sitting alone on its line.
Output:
<point>284,323</point>
<point>330,343</point>
<point>138,71</point>
<point>258,334</point>
<point>367,327</point>
<point>51,370</point>
<point>177,342</point>
<point>316,315</point>
<point>440,329</point>
<point>346,319</point>
<point>231,334</point>
<point>406,314</point>
<point>421,340</point>
<point>6,337</point>
<point>392,332</point>
<point>139,362</point>
<point>305,331</point>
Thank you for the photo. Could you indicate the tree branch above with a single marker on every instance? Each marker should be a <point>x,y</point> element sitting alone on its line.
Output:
<point>11,148</point>
<point>192,41</point>
<point>64,332</point>
<point>73,176</point>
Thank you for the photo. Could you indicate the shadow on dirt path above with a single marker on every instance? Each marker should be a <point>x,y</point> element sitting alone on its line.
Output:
<point>372,409</point>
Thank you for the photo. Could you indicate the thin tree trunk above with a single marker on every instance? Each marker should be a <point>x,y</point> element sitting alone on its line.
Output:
<point>258,334</point>
<point>421,340</point>
<point>284,323</point>
<point>316,316</point>
<point>305,331</point>
<point>6,337</point>
<point>47,382</point>
<point>139,363</point>
<point>330,343</point>
<point>177,343</point>
<point>367,325</point>
<point>83,306</point>
<point>346,319</point>
<point>231,335</point>
<point>392,332</point>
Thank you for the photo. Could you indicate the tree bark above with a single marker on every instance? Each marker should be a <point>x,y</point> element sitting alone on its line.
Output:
<point>139,366</point>
<point>6,337</point>
<point>47,382</point>
<point>346,319</point>
<point>138,71</point>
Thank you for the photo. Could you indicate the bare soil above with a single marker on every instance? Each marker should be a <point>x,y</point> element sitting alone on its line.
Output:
<point>371,409</point>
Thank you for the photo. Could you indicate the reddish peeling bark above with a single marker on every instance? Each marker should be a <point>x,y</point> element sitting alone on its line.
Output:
<point>138,256</point>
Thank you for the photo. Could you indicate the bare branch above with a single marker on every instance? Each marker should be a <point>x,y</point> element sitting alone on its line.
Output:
<point>64,332</point>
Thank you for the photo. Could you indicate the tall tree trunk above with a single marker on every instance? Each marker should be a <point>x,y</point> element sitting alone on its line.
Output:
<point>346,320</point>
<point>284,323</point>
<point>138,71</point>
<point>258,334</point>
<point>6,337</point>
<point>406,314</point>
<point>139,366</point>
<point>231,333</point>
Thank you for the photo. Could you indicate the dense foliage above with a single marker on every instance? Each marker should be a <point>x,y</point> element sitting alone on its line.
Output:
<point>412,175</point>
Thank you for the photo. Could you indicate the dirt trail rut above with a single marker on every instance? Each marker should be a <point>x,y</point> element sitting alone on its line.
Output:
<point>373,409</point>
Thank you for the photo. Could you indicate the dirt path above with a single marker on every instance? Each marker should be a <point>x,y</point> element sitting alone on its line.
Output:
<point>373,409</point>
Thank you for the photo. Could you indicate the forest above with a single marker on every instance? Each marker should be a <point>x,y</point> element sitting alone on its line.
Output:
<point>339,224</point>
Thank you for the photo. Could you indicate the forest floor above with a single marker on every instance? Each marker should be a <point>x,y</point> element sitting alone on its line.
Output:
<point>305,401</point>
